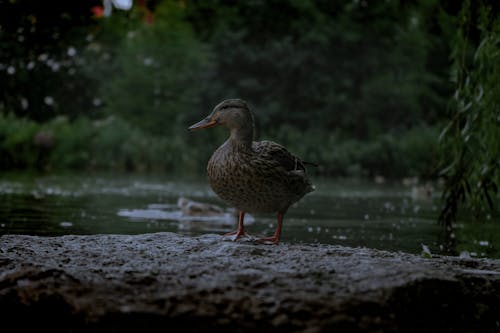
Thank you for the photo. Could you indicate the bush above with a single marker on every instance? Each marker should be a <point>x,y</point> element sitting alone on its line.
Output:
<point>83,144</point>
<point>114,144</point>
<point>393,155</point>
<point>17,147</point>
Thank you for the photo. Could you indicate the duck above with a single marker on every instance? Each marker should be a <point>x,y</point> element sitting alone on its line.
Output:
<point>195,214</point>
<point>256,177</point>
<point>194,208</point>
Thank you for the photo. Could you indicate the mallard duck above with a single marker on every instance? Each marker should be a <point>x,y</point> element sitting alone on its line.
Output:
<point>252,176</point>
<point>194,208</point>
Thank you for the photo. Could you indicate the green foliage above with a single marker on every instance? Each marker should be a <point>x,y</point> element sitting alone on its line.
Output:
<point>393,155</point>
<point>112,143</point>
<point>355,86</point>
<point>341,66</point>
<point>481,242</point>
<point>151,78</point>
<point>40,57</point>
<point>470,142</point>
<point>84,144</point>
<point>17,149</point>
<point>71,143</point>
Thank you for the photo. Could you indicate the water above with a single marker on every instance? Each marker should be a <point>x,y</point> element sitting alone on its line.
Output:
<point>345,212</point>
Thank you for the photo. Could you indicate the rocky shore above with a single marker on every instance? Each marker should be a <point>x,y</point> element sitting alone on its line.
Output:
<point>167,282</point>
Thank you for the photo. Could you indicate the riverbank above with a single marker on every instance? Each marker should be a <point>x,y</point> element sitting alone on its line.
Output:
<point>165,281</point>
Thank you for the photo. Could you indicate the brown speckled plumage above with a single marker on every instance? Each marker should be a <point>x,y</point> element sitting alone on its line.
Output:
<point>254,177</point>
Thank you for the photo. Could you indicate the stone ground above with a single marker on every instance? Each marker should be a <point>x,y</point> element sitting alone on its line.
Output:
<point>167,282</point>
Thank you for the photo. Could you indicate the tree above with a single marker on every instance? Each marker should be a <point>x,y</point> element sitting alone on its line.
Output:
<point>470,144</point>
<point>152,76</point>
<point>40,57</point>
<point>356,67</point>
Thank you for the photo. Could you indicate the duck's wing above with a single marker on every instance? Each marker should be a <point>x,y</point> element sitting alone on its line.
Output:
<point>277,154</point>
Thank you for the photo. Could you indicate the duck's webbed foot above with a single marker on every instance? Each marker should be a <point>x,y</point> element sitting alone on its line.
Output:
<point>273,240</point>
<point>240,232</point>
<point>237,234</point>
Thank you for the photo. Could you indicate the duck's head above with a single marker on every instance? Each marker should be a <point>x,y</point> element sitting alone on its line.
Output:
<point>232,113</point>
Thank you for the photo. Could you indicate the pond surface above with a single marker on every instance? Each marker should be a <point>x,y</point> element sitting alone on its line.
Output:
<point>385,216</point>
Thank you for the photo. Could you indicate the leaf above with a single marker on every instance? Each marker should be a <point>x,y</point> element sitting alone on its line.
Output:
<point>467,186</point>
<point>488,198</point>
<point>465,129</point>
<point>447,169</point>
<point>484,41</point>
<point>466,107</point>
<point>484,169</point>
<point>480,95</point>
<point>444,131</point>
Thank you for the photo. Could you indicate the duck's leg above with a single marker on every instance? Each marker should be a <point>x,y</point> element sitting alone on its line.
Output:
<point>240,232</point>
<point>274,239</point>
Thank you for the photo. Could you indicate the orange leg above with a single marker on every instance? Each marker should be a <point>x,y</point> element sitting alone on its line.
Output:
<point>275,239</point>
<point>240,232</point>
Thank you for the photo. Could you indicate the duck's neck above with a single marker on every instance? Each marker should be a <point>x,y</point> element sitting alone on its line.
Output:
<point>242,137</point>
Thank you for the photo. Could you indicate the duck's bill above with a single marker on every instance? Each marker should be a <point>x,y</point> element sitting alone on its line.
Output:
<point>205,123</point>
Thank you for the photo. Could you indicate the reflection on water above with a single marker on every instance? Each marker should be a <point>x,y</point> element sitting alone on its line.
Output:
<point>385,216</point>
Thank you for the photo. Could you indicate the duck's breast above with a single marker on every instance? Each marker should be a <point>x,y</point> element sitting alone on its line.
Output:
<point>254,184</point>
